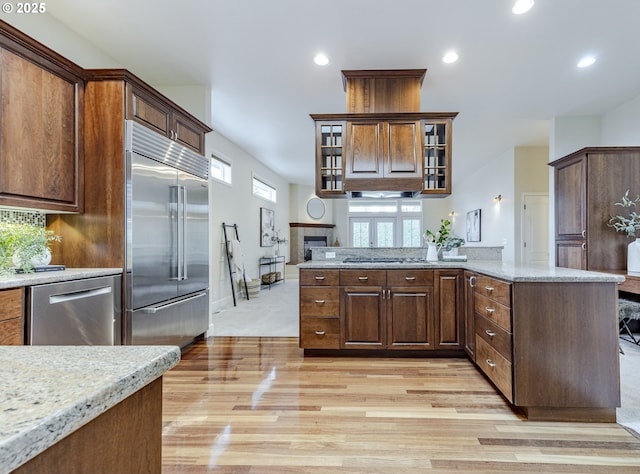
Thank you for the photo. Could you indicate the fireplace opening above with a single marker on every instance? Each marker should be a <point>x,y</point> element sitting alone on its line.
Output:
<point>312,241</point>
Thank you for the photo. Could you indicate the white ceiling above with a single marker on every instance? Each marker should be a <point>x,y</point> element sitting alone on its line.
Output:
<point>514,73</point>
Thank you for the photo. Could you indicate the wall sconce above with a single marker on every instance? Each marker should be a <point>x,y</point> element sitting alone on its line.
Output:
<point>452,214</point>
<point>498,198</point>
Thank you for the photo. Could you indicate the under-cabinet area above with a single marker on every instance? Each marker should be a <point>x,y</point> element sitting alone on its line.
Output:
<point>548,343</point>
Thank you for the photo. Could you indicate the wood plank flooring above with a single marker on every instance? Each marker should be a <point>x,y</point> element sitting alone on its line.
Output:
<point>257,405</point>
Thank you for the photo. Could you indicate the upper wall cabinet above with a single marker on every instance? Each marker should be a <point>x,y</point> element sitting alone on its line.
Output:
<point>41,126</point>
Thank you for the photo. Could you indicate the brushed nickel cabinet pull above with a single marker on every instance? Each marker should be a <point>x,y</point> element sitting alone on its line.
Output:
<point>584,246</point>
<point>365,278</point>
<point>320,333</point>
<point>320,301</point>
<point>491,363</point>
<point>318,277</point>
<point>490,333</point>
<point>489,288</point>
<point>410,278</point>
<point>472,281</point>
<point>584,233</point>
<point>490,310</point>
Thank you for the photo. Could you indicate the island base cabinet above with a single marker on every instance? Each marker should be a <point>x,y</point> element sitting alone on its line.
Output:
<point>11,317</point>
<point>410,325</point>
<point>126,438</point>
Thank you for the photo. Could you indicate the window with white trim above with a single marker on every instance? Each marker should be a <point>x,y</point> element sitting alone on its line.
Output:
<point>264,190</point>
<point>220,169</point>
<point>385,223</point>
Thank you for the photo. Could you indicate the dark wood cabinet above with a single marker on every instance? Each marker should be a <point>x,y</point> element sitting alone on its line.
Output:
<point>449,309</point>
<point>469,314</point>
<point>41,126</point>
<point>383,152</point>
<point>363,314</point>
<point>588,183</point>
<point>12,317</point>
<point>319,309</point>
<point>411,321</point>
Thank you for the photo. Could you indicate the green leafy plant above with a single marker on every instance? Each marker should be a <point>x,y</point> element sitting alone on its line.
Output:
<point>22,243</point>
<point>444,236</point>
<point>630,223</point>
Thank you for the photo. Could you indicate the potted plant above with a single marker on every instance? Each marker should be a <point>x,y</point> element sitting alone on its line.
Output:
<point>631,225</point>
<point>24,246</point>
<point>443,238</point>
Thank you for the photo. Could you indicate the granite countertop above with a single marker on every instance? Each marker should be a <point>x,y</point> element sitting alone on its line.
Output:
<point>48,392</point>
<point>39,278</point>
<point>508,271</point>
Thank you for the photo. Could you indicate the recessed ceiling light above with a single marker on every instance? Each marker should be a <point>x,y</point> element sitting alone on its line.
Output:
<point>450,57</point>
<point>522,6</point>
<point>321,59</point>
<point>586,61</point>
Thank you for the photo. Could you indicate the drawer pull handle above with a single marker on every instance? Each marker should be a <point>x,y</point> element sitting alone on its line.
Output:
<point>318,277</point>
<point>472,281</point>
<point>363,278</point>
<point>489,288</point>
<point>491,363</point>
<point>320,301</point>
<point>320,333</point>
<point>410,278</point>
<point>490,333</point>
<point>490,310</point>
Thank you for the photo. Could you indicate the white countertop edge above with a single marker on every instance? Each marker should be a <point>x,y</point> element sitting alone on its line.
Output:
<point>27,442</point>
<point>504,270</point>
<point>39,278</point>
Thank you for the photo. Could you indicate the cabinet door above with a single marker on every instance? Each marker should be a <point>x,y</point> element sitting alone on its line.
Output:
<point>187,133</point>
<point>329,163</point>
<point>402,150</point>
<point>410,318</point>
<point>469,315</point>
<point>148,111</point>
<point>364,150</point>
<point>363,318</point>
<point>571,199</point>
<point>448,309</point>
<point>11,317</point>
<point>40,134</point>
<point>572,254</point>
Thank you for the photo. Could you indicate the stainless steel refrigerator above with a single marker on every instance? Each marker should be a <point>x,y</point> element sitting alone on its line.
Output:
<point>167,240</point>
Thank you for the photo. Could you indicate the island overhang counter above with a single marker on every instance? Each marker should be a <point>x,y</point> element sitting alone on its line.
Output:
<point>79,408</point>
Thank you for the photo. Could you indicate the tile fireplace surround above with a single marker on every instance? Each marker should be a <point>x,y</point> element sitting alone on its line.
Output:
<point>297,233</point>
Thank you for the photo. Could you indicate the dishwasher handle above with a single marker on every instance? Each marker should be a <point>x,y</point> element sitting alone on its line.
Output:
<point>155,309</point>
<point>78,295</point>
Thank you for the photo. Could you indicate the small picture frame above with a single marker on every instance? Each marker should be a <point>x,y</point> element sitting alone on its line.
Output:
<point>267,227</point>
<point>473,225</point>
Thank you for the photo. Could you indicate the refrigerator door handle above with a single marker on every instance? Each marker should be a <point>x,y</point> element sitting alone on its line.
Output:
<point>185,238</point>
<point>180,240</point>
<point>155,309</point>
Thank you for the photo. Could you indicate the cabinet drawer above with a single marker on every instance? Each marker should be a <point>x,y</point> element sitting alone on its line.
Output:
<point>493,311</point>
<point>409,278</point>
<point>319,277</point>
<point>496,367</point>
<point>363,277</point>
<point>319,332</point>
<point>493,334</point>
<point>11,304</point>
<point>319,301</point>
<point>495,289</point>
<point>12,332</point>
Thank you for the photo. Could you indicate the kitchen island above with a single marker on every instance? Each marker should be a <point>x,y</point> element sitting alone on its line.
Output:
<point>546,337</point>
<point>82,408</point>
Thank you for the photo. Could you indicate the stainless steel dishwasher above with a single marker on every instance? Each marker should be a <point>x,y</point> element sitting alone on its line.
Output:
<point>76,312</point>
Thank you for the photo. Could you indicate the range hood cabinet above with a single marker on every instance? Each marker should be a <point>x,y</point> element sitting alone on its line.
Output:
<point>383,146</point>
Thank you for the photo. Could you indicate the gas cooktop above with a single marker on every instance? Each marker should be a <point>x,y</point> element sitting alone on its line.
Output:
<point>381,260</point>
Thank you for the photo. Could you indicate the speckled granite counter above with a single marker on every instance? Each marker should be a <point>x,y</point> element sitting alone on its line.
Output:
<point>48,392</point>
<point>39,278</point>
<point>504,270</point>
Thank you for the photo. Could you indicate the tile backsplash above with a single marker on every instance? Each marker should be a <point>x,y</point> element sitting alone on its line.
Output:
<point>23,217</point>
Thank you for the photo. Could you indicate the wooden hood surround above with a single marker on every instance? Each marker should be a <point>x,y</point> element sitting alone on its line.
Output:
<point>383,148</point>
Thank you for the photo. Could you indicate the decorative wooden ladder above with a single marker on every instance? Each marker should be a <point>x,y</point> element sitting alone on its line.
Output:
<point>232,272</point>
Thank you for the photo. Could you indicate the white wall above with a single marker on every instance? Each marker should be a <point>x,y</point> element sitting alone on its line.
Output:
<point>236,204</point>
<point>621,126</point>
<point>299,196</point>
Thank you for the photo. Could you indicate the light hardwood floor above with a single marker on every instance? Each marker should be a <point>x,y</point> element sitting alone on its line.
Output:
<point>257,405</point>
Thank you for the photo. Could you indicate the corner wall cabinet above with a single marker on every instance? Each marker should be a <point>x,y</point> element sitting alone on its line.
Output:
<point>40,90</point>
<point>269,270</point>
<point>588,183</point>
<point>383,152</point>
